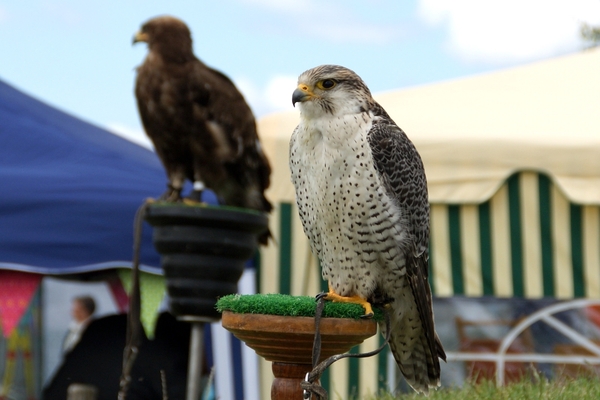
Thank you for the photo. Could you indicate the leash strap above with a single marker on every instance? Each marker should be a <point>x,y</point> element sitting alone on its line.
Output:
<point>310,384</point>
<point>134,324</point>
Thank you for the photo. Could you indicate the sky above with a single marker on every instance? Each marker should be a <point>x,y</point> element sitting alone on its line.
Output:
<point>78,55</point>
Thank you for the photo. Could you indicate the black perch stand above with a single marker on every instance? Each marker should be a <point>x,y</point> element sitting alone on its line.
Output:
<point>203,252</point>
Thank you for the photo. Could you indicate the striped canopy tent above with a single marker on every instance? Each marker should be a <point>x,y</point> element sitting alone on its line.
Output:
<point>513,166</point>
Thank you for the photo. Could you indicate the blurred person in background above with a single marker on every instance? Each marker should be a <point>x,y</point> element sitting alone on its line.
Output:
<point>82,311</point>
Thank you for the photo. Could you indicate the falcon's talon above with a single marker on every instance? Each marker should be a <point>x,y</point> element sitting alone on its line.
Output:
<point>321,295</point>
<point>336,298</point>
<point>367,316</point>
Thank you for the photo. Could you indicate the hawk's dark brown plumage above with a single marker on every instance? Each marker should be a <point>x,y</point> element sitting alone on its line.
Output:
<point>200,124</point>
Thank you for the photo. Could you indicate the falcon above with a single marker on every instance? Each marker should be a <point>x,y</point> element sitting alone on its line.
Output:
<point>362,198</point>
<point>200,125</point>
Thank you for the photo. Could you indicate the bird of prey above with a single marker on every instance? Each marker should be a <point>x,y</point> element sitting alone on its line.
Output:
<point>362,198</point>
<point>200,124</point>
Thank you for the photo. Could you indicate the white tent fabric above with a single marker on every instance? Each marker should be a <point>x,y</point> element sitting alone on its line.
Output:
<point>473,133</point>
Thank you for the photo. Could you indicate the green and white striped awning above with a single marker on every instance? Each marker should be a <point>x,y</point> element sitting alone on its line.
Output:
<point>513,167</point>
<point>528,240</point>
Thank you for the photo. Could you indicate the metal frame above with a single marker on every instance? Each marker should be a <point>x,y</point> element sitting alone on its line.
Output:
<point>545,315</point>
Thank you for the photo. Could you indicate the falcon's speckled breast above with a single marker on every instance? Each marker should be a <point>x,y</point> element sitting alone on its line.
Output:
<point>353,224</point>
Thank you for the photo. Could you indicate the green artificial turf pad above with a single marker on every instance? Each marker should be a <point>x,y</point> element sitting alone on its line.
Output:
<point>291,306</point>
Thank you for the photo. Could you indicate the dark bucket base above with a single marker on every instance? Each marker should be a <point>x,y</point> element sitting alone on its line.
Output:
<point>204,250</point>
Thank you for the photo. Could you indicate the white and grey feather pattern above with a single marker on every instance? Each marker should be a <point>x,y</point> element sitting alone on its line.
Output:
<point>362,197</point>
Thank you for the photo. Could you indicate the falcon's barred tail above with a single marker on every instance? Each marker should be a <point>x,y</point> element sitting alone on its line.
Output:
<point>414,343</point>
<point>412,349</point>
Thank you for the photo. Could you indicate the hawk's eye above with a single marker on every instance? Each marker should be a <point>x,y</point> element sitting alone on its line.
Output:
<point>326,84</point>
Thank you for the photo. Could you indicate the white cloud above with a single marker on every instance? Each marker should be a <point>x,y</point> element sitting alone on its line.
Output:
<point>511,30</point>
<point>278,92</point>
<point>275,96</point>
<point>134,135</point>
<point>251,93</point>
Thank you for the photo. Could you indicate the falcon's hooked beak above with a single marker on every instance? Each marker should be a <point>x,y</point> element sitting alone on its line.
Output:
<point>302,93</point>
<point>140,37</point>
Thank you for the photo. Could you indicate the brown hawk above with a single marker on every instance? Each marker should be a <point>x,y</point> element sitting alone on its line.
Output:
<point>200,124</point>
<point>362,198</point>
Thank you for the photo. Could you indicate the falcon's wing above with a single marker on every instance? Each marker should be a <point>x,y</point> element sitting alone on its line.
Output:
<point>403,175</point>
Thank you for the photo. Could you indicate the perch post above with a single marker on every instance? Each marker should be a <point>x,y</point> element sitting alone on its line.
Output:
<point>203,252</point>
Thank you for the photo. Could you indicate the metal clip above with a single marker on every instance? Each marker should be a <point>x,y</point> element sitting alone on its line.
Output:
<point>306,393</point>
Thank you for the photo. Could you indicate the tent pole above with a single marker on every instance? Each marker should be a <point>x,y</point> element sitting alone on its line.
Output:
<point>195,361</point>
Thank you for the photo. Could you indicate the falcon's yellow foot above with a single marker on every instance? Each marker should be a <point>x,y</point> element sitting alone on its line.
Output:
<point>336,298</point>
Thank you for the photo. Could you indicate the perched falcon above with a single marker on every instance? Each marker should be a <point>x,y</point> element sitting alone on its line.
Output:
<point>362,197</point>
<point>200,124</point>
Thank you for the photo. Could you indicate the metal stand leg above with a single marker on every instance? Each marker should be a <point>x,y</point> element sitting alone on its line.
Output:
<point>195,361</point>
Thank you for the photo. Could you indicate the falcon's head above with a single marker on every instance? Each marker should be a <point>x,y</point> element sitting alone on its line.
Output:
<point>333,90</point>
<point>167,37</point>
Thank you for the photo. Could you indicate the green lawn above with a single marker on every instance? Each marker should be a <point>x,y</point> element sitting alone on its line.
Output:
<point>543,389</point>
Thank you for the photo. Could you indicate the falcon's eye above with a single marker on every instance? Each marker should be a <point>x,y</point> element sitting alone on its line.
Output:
<point>326,84</point>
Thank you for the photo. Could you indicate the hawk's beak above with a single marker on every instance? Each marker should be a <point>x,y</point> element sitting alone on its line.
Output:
<point>140,37</point>
<point>302,93</point>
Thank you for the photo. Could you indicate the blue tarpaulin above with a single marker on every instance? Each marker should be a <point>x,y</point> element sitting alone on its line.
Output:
<point>69,191</point>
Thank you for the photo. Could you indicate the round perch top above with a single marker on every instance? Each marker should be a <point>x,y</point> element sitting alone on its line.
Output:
<point>168,213</point>
<point>290,306</point>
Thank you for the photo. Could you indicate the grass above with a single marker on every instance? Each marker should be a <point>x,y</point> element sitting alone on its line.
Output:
<point>542,389</point>
<point>286,305</point>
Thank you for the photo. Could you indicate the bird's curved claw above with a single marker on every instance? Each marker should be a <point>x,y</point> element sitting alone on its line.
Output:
<point>367,316</point>
<point>333,296</point>
<point>321,295</point>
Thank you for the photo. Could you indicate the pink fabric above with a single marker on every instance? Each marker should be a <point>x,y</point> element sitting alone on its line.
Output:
<point>119,294</point>
<point>16,290</point>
